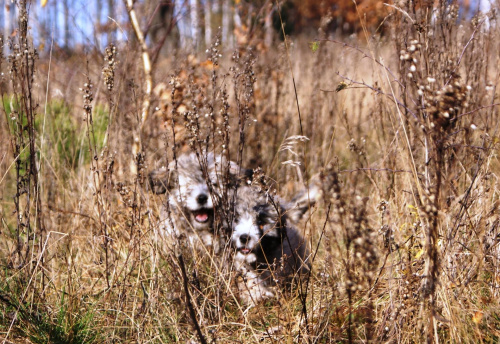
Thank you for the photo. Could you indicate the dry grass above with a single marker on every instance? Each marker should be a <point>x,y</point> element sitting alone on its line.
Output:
<point>402,137</point>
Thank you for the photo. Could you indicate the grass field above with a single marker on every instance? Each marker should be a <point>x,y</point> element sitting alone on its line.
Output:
<point>401,130</point>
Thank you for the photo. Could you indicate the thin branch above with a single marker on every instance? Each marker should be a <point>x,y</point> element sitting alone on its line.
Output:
<point>376,90</point>
<point>146,103</point>
<point>402,11</point>
<point>375,169</point>
<point>477,109</point>
<point>188,301</point>
<point>464,49</point>
<point>364,55</point>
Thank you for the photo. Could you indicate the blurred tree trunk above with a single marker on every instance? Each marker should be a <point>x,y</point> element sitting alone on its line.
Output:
<point>66,23</point>
<point>54,30</point>
<point>268,26</point>
<point>2,12</point>
<point>195,26</point>
<point>201,24</point>
<point>111,11</point>
<point>98,23</point>
<point>162,30</point>
<point>208,23</point>
<point>6,20</point>
<point>226,21</point>
<point>174,28</point>
<point>185,26</point>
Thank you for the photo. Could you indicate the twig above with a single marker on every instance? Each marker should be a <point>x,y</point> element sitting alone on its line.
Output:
<point>308,279</point>
<point>376,169</point>
<point>376,90</point>
<point>188,301</point>
<point>402,11</point>
<point>63,211</point>
<point>477,109</point>
<point>146,103</point>
<point>364,55</point>
<point>464,49</point>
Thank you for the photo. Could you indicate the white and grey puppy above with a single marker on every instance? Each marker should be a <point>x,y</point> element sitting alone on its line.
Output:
<point>269,249</point>
<point>190,207</point>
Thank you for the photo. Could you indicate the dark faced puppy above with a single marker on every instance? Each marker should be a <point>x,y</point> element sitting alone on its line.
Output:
<point>269,249</point>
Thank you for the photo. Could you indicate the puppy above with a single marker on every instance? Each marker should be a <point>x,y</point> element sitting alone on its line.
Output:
<point>269,249</point>
<point>192,188</point>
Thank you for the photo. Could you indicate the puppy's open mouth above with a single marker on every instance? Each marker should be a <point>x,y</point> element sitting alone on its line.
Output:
<point>244,250</point>
<point>202,215</point>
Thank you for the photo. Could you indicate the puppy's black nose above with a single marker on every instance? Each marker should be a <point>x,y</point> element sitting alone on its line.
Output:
<point>202,199</point>
<point>244,238</point>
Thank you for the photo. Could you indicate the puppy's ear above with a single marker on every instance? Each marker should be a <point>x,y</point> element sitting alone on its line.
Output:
<point>302,202</point>
<point>160,180</point>
<point>239,174</point>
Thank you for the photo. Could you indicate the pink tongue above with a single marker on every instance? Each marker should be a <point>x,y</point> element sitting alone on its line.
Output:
<point>201,217</point>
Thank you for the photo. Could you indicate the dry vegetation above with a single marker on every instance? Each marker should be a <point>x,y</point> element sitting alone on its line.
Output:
<point>402,135</point>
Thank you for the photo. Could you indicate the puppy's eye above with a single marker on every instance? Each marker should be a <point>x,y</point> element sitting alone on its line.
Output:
<point>261,222</point>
